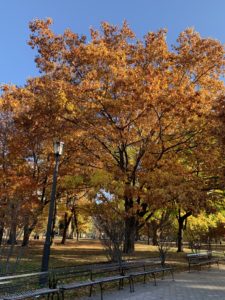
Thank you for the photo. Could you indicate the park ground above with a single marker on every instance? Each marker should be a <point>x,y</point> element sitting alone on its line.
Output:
<point>199,285</point>
<point>88,251</point>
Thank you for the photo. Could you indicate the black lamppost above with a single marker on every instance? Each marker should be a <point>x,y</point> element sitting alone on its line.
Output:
<point>58,150</point>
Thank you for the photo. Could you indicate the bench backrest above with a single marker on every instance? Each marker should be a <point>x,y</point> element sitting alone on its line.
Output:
<point>77,273</point>
<point>65,275</point>
<point>199,256</point>
<point>17,284</point>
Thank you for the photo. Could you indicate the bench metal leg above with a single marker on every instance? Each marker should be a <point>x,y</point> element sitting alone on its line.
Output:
<point>101,289</point>
<point>131,284</point>
<point>171,271</point>
<point>144,278</point>
<point>190,268</point>
<point>131,281</point>
<point>53,295</point>
<point>153,274</point>
<point>90,291</point>
<point>62,293</point>
<point>121,284</point>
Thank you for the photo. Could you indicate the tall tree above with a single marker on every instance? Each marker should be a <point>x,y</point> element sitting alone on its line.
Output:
<point>131,102</point>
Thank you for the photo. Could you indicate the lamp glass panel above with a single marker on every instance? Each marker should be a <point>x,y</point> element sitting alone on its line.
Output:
<point>58,148</point>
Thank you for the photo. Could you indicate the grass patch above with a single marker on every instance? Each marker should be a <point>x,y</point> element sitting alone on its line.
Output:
<point>84,252</point>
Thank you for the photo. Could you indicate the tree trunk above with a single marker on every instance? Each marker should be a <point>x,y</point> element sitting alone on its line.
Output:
<point>148,228</point>
<point>13,225</point>
<point>180,235</point>
<point>12,236</point>
<point>181,220</point>
<point>137,235</point>
<point>72,229</point>
<point>27,230</point>
<point>66,226</point>
<point>1,232</point>
<point>130,233</point>
<point>155,232</point>
<point>26,235</point>
<point>63,241</point>
<point>155,237</point>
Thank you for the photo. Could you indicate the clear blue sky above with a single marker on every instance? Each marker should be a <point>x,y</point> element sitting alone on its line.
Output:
<point>17,59</point>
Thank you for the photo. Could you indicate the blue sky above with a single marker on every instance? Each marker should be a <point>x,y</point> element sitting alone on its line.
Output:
<point>17,59</point>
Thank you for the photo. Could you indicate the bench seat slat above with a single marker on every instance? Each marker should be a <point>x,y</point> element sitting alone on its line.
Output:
<point>111,278</point>
<point>74,285</point>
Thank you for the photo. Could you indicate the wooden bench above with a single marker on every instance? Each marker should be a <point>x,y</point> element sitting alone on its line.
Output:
<point>31,285</point>
<point>99,274</point>
<point>145,268</point>
<point>88,276</point>
<point>201,259</point>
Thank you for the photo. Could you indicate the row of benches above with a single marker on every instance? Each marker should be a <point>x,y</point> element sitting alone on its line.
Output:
<point>57,282</point>
<point>61,280</point>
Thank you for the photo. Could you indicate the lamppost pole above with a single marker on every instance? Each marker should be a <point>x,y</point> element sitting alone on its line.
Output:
<point>58,149</point>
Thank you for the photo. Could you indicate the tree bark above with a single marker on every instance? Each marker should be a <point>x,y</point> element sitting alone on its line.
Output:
<point>13,225</point>
<point>27,230</point>
<point>181,220</point>
<point>1,232</point>
<point>180,235</point>
<point>12,236</point>
<point>67,221</point>
<point>148,230</point>
<point>155,233</point>
<point>155,237</point>
<point>26,234</point>
<point>130,234</point>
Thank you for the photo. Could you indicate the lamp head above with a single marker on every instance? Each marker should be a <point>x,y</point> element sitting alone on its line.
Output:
<point>58,148</point>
